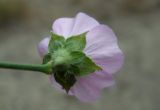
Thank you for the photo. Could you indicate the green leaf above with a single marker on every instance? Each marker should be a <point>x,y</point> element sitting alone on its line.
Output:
<point>84,63</point>
<point>56,42</point>
<point>46,58</point>
<point>76,43</point>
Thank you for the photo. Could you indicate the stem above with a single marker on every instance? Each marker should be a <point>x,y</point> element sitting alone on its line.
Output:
<point>45,68</point>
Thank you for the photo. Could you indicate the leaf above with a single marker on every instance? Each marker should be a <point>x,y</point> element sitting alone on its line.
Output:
<point>76,43</point>
<point>84,63</point>
<point>46,58</point>
<point>56,42</point>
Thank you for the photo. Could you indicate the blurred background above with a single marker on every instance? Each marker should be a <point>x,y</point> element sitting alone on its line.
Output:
<point>23,23</point>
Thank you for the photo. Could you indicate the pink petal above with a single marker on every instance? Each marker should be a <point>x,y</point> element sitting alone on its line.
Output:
<point>102,47</point>
<point>43,47</point>
<point>63,26</point>
<point>56,85</point>
<point>88,88</point>
<point>68,27</point>
<point>83,23</point>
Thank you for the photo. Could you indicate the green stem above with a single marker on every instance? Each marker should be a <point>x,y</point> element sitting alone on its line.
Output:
<point>45,68</point>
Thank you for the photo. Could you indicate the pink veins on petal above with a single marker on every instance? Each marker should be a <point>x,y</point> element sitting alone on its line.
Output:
<point>101,47</point>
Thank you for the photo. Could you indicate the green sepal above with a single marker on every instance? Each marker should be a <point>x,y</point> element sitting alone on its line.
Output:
<point>83,63</point>
<point>64,76</point>
<point>56,42</point>
<point>46,58</point>
<point>76,43</point>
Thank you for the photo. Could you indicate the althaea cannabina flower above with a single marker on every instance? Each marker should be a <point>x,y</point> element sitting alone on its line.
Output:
<point>101,47</point>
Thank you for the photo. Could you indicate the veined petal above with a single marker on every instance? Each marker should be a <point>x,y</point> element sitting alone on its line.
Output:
<point>43,47</point>
<point>63,26</point>
<point>88,88</point>
<point>68,27</point>
<point>103,49</point>
<point>83,23</point>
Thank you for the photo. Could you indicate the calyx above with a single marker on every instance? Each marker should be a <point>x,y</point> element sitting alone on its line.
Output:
<point>68,59</point>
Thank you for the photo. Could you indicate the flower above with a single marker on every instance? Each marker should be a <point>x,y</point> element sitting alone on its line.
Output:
<point>101,47</point>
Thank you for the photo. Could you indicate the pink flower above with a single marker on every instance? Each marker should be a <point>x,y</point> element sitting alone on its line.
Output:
<point>101,47</point>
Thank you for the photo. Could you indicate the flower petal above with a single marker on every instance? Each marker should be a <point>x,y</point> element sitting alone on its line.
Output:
<point>83,23</point>
<point>68,27</point>
<point>63,26</point>
<point>43,47</point>
<point>56,85</point>
<point>103,49</point>
<point>88,88</point>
